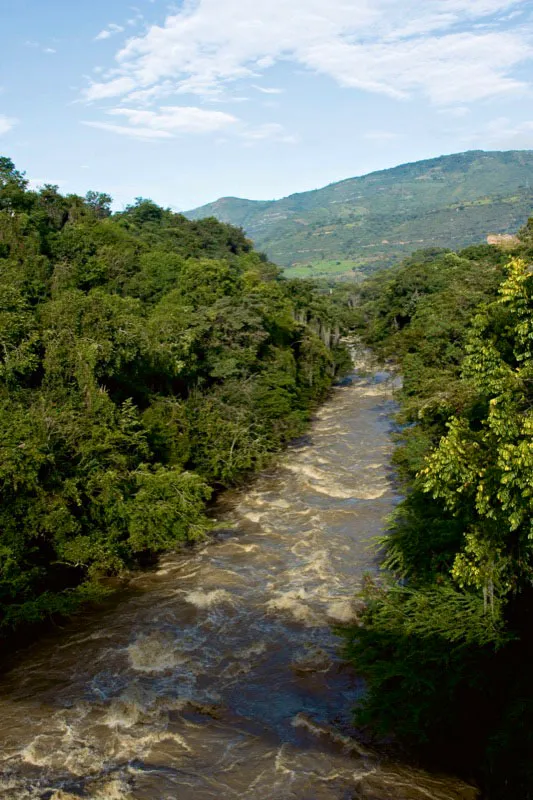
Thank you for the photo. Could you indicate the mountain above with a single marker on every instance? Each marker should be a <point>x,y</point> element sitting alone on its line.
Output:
<point>366,223</point>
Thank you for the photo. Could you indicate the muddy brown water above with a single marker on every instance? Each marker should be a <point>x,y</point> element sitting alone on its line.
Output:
<point>217,675</point>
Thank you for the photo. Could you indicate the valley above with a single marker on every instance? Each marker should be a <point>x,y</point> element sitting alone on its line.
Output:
<point>363,224</point>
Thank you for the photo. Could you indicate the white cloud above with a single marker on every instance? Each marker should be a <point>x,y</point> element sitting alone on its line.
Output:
<point>180,119</point>
<point>117,86</point>
<point>142,96</point>
<point>123,130</point>
<point>267,89</point>
<point>6,124</point>
<point>166,122</point>
<point>136,19</point>
<point>106,33</point>
<point>384,46</point>
<point>38,46</point>
<point>459,67</point>
<point>170,121</point>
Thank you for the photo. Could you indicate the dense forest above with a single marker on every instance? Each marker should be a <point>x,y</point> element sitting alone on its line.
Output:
<point>145,362</point>
<point>445,642</point>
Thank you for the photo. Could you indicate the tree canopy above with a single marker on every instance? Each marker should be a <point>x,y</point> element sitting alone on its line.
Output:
<point>145,362</point>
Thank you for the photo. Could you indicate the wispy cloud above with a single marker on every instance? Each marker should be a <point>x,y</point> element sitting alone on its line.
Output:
<point>38,46</point>
<point>112,88</point>
<point>135,133</point>
<point>111,30</point>
<point>267,89</point>
<point>137,17</point>
<point>170,121</point>
<point>6,124</point>
<point>165,123</point>
<point>399,49</point>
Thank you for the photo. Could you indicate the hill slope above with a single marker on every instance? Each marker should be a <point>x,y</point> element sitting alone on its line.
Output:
<point>369,222</point>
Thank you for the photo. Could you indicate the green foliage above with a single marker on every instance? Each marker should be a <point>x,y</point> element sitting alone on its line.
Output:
<point>483,467</point>
<point>363,224</point>
<point>446,646</point>
<point>424,653</point>
<point>145,361</point>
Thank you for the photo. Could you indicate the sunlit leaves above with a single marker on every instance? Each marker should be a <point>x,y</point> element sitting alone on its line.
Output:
<point>483,468</point>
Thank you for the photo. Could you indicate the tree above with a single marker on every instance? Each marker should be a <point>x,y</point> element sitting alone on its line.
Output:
<point>100,203</point>
<point>483,467</point>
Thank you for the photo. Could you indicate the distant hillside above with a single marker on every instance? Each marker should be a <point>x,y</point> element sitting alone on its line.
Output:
<point>365,223</point>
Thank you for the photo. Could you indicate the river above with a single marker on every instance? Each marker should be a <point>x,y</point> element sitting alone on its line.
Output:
<point>217,674</point>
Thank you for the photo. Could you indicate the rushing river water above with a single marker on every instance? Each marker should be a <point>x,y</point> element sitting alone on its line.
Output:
<point>217,675</point>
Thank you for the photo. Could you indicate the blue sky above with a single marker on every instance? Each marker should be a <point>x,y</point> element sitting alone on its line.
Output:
<point>190,101</point>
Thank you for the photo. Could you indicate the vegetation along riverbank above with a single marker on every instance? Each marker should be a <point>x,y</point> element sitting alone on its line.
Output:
<point>146,361</point>
<point>446,643</point>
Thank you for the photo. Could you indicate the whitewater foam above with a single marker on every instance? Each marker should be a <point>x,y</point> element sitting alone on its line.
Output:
<point>341,611</point>
<point>154,652</point>
<point>292,602</point>
<point>203,600</point>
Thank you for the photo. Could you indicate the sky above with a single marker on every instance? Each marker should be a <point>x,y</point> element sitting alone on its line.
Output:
<point>190,101</point>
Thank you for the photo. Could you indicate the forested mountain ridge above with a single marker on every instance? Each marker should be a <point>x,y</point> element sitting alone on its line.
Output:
<point>145,361</point>
<point>373,221</point>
